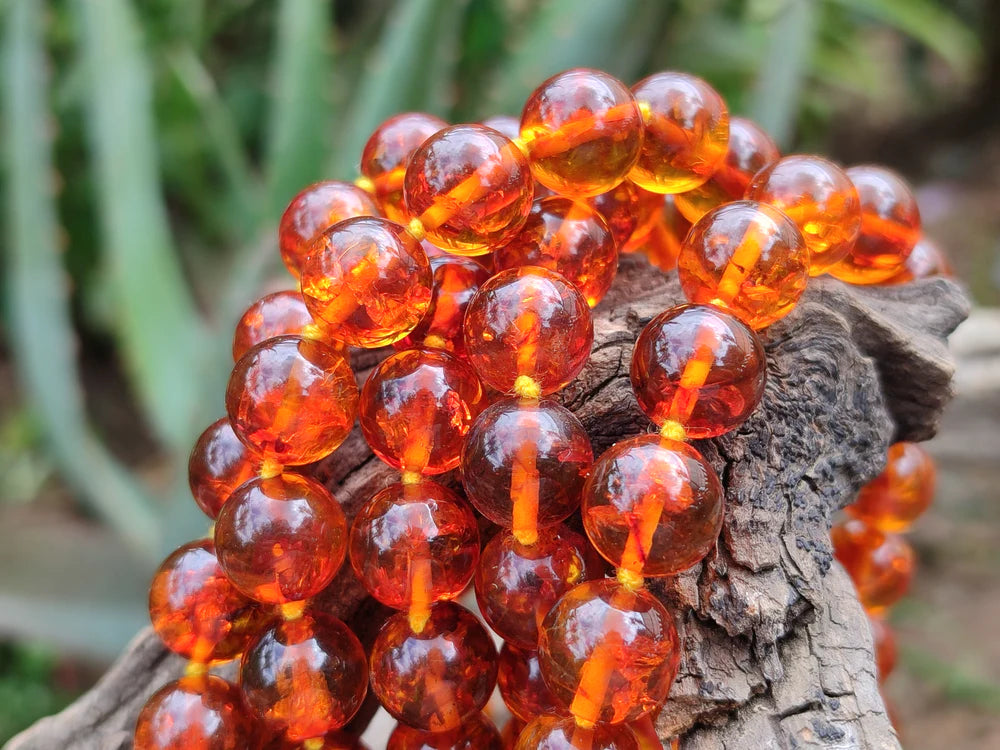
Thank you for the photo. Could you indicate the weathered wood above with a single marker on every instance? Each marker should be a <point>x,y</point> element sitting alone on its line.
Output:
<point>777,650</point>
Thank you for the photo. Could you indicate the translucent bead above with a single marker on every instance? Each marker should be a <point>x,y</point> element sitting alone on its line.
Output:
<point>647,215</point>
<point>901,493</point>
<point>524,462</point>
<point>890,227</point>
<point>748,258</point>
<point>885,647</point>
<point>505,124</point>
<point>314,209</point>
<point>620,208</point>
<point>517,584</point>
<point>196,611</point>
<point>439,678</point>
<point>521,685</point>
<point>822,201</point>
<point>925,261</point>
<point>528,322</point>
<point>195,713</point>
<point>367,282</point>
<point>644,729</point>
<point>417,407</point>
<point>478,733</point>
<point>281,539</point>
<point>305,677</point>
<point>700,367</point>
<point>293,400</point>
<point>665,235</point>
<point>750,150</point>
<point>686,136</point>
<point>511,731</point>
<point>219,463</point>
<point>278,314</point>
<point>563,733</point>
<point>582,130</point>
<point>608,653</point>
<point>570,238</point>
<point>330,741</point>
<point>652,506</point>
<point>880,564</point>
<point>470,187</point>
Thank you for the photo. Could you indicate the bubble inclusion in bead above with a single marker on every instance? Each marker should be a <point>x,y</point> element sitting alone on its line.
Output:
<point>563,733</point>
<point>479,733</point>
<point>880,564</point>
<point>521,684</point>
<point>901,493</point>
<point>219,463</point>
<point>279,314</point>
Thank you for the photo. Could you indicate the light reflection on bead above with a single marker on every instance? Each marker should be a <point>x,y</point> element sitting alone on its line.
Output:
<point>880,564</point>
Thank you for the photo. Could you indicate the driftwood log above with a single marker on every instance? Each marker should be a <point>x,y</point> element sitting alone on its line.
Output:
<point>777,652</point>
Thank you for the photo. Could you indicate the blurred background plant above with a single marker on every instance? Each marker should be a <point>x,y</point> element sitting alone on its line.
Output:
<point>149,148</point>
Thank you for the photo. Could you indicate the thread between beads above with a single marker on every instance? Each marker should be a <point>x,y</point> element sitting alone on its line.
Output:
<point>195,669</point>
<point>629,579</point>
<point>527,387</point>
<point>269,468</point>
<point>416,229</point>
<point>365,184</point>
<point>673,430</point>
<point>293,610</point>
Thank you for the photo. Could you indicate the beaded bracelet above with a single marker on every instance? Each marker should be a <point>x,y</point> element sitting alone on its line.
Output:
<point>592,169</point>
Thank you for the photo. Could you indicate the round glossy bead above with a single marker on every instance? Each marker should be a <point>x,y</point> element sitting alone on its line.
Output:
<point>509,126</point>
<point>901,493</point>
<point>747,257</point>
<point>314,209</point>
<point>884,641</point>
<point>439,678</point>
<point>521,685</point>
<point>330,741</point>
<point>281,539</point>
<point>292,400</point>
<point>582,129</point>
<point>563,733</point>
<point>925,261</point>
<point>219,463</point>
<point>195,713</point>
<point>652,506</point>
<point>367,282</point>
<point>608,653</point>
<point>388,151</point>
<point>822,201</point>
<point>511,731</point>
<point>478,733</point>
<point>305,677</point>
<point>648,214</point>
<point>195,609</point>
<point>278,314</point>
<point>568,237</point>
<point>413,544</point>
<point>686,136</point>
<point>620,208</point>
<point>663,240</point>
<point>417,407</point>
<point>470,187</point>
<point>529,322</point>
<point>700,367</point>
<point>880,564</point>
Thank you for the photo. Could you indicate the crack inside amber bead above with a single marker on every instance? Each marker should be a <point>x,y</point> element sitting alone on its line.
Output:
<point>901,493</point>
<point>195,713</point>
<point>219,463</point>
<point>880,564</point>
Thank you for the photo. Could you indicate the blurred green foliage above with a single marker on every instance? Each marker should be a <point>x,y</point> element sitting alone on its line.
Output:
<point>26,691</point>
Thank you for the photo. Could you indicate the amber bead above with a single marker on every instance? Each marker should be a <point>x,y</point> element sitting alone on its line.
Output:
<point>568,237</point>
<point>665,236</point>
<point>901,493</point>
<point>414,544</point>
<point>505,124</point>
<point>196,713</point>
<point>388,151</point>
<point>314,209</point>
<point>478,733</point>
<point>750,150</point>
<point>647,215</point>
<point>644,729</point>
<point>747,257</point>
<point>700,367</point>
<point>620,209</point>
<point>880,564</point>
<point>609,653</point>
<point>652,506</point>
<point>439,678</point>
<point>293,400</point>
<point>686,136</point>
<point>563,733</point>
<point>528,322</point>
<point>582,130</point>
<point>517,584</point>
<point>305,677</point>
<point>521,685</point>
<point>278,314</point>
<point>822,201</point>
<point>195,609</point>
<point>511,731</point>
<point>925,261</point>
<point>219,463</point>
<point>281,539</point>
<point>884,641</point>
<point>337,740</point>
<point>417,407</point>
<point>367,282</point>
<point>470,187</point>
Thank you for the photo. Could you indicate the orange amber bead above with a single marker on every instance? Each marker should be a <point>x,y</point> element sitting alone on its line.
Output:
<point>305,677</point>
<point>665,236</point>
<point>439,678</point>
<point>388,151</point>
<point>885,647</point>
<point>196,713</point>
<point>511,731</point>
<point>608,653</point>
<point>219,463</point>
<point>528,322</point>
<point>278,314</point>
<point>822,201</point>
<point>478,733</point>
<point>686,136</point>
<point>470,187</point>
<point>196,611</point>
<point>505,124</point>
<point>901,493</point>
<point>748,258</point>
<point>620,208</point>
<point>750,150</point>
<point>570,238</point>
<point>563,733</point>
<point>880,564</point>
<point>925,261</point>
<point>367,282</point>
<point>314,209</point>
<point>517,584</point>
<point>281,539</point>
<point>648,215</point>
<point>521,685</point>
<point>582,130</point>
<point>652,506</point>
<point>417,407</point>
<point>330,741</point>
<point>700,367</point>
